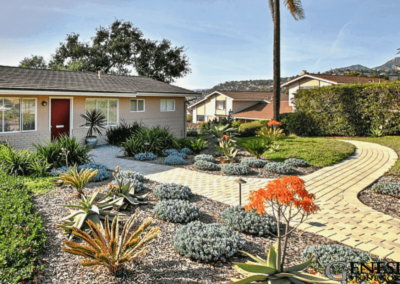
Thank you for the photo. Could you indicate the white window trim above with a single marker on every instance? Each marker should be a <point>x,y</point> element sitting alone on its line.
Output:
<point>137,105</point>
<point>167,105</point>
<point>108,109</point>
<point>20,117</point>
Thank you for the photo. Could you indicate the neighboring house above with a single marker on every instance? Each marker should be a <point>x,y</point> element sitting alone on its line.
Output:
<point>38,105</point>
<point>244,106</point>
<point>311,81</point>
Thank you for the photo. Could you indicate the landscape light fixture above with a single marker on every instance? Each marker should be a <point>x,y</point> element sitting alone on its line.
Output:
<point>146,144</point>
<point>240,181</point>
<point>44,103</point>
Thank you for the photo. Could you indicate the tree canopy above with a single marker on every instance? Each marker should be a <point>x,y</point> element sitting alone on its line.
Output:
<point>119,49</point>
<point>36,62</point>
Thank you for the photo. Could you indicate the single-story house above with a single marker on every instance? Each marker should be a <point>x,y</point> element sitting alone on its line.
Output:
<point>244,106</point>
<point>311,81</point>
<point>38,104</point>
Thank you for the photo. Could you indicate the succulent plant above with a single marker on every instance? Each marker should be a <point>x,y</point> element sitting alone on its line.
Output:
<point>297,162</point>
<point>387,188</point>
<point>145,156</point>
<point>204,165</point>
<point>110,249</point>
<point>254,162</point>
<point>172,191</point>
<point>168,152</point>
<point>129,175</point>
<point>205,157</point>
<point>280,168</point>
<point>102,173</point>
<point>236,169</point>
<point>208,242</point>
<point>249,221</point>
<point>176,211</point>
<point>77,180</point>
<point>174,160</point>
<point>186,151</point>
<point>87,209</point>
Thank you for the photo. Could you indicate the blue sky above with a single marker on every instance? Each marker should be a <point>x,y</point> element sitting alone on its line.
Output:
<point>225,39</point>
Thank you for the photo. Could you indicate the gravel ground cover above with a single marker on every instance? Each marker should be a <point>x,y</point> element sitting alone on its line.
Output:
<point>161,264</point>
<point>382,203</point>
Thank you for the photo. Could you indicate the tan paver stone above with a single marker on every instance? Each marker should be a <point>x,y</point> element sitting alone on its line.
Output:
<point>381,251</point>
<point>366,247</point>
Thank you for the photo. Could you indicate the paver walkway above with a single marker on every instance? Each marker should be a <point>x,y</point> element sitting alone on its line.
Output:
<point>342,217</point>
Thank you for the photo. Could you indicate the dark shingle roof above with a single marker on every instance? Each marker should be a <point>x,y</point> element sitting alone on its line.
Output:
<point>14,78</point>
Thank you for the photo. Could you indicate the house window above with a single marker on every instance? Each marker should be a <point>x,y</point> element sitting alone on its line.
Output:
<point>220,105</point>
<point>167,105</point>
<point>137,105</point>
<point>200,118</point>
<point>109,107</point>
<point>17,114</point>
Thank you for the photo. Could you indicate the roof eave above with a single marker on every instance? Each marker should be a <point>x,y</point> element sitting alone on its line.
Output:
<point>308,76</point>
<point>148,94</point>
<point>64,93</point>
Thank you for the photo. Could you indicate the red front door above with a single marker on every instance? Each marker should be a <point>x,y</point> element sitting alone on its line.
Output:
<point>60,112</point>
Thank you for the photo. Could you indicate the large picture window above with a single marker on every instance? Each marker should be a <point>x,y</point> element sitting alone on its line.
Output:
<point>137,105</point>
<point>220,105</point>
<point>17,114</point>
<point>167,105</point>
<point>109,107</point>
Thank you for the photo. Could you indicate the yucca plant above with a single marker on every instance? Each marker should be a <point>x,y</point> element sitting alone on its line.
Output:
<point>87,209</point>
<point>124,190</point>
<point>77,180</point>
<point>110,249</point>
<point>95,120</point>
<point>256,146</point>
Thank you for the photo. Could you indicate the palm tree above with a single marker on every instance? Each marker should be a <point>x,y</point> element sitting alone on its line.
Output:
<point>296,9</point>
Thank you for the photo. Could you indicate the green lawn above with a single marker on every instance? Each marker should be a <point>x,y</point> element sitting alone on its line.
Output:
<point>320,152</point>
<point>38,185</point>
<point>389,141</point>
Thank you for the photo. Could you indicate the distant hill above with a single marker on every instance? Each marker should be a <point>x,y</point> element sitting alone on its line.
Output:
<point>356,67</point>
<point>393,64</point>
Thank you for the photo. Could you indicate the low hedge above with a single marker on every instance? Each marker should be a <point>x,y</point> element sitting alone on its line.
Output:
<point>172,191</point>
<point>387,188</point>
<point>250,128</point>
<point>176,211</point>
<point>21,232</point>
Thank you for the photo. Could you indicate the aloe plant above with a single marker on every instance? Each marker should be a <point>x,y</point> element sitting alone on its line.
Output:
<point>269,271</point>
<point>124,190</point>
<point>87,209</point>
<point>76,179</point>
<point>108,248</point>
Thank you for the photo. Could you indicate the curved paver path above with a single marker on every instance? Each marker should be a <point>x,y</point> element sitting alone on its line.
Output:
<point>342,217</point>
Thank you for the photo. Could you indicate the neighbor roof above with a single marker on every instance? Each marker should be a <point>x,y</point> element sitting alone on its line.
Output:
<point>15,78</point>
<point>337,79</point>
<point>244,95</point>
<point>260,110</point>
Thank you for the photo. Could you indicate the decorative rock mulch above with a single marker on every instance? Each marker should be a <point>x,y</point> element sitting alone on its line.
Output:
<point>161,264</point>
<point>383,203</point>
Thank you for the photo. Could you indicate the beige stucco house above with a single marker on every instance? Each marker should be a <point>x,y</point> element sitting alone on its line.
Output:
<point>311,81</point>
<point>38,105</point>
<point>244,106</point>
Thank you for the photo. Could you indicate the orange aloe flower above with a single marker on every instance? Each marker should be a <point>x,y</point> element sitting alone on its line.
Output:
<point>274,123</point>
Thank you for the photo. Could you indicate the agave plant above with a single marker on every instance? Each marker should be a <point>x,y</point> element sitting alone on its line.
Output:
<point>269,271</point>
<point>109,249</point>
<point>124,190</point>
<point>227,147</point>
<point>220,130</point>
<point>77,180</point>
<point>376,132</point>
<point>87,209</point>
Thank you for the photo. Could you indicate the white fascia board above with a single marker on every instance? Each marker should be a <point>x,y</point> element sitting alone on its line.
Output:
<point>249,118</point>
<point>250,100</point>
<point>166,95</point>
<point>66,93</point>
<point>308,76</point>
<point>206,97</point>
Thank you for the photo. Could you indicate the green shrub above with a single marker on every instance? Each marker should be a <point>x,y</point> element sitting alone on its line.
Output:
<point>236,169</point>
<point>159,139</point>
<point>204,157</point>
<point>198,145</point>
<point>249,221</point>
<point>21,232</point>
<point>38,185</point>
<point>280,168</point>
<point>351,109</point>
<point>256,146</point>
<point>172,191</point>
<point>116,135</point>
<point>176,211</point>
<point>325,254</point>
<point>236,123</point>
<point>387,188</point>
<point>184,142</point>
<point>77,154</point>
<point>207,242</point>
<point>254,162</point>
<point>249,128</point>
<point>298,123</point>
<point>297,162</point>
<point>204,165</point>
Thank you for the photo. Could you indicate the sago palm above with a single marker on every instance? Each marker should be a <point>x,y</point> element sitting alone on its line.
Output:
<point>296,9</point>
<point>110,249</point>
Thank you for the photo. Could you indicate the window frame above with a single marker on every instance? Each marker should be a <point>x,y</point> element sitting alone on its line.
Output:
<point>21,119</point>
<point>137,105</point>
<point>167,105</point>
<point>197,117</point>
<point>108,110</point>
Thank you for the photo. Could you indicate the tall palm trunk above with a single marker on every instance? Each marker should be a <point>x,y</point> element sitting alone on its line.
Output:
<point>276,100</point>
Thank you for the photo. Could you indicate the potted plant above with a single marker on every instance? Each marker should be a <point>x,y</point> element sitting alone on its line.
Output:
<point>96,121</point>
